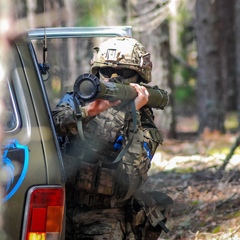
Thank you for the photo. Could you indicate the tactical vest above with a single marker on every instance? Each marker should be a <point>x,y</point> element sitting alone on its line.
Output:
<point>105,135</point>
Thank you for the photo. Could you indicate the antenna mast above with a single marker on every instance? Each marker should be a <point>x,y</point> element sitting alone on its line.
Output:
<point>44,67</point>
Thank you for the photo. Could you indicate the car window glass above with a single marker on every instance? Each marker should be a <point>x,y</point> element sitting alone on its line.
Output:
<point>10,117</point>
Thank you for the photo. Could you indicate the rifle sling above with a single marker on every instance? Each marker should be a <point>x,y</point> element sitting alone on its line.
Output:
<point>79,119</point>
<point>126,147</point>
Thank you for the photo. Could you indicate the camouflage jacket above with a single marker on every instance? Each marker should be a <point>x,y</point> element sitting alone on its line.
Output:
<point>106,134</point>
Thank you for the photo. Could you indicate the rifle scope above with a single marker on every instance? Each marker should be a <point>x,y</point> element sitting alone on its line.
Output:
<point>88,88</point>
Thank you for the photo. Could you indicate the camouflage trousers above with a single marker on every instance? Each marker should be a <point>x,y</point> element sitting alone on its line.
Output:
<point>140,218</point>
<point>100,224</point>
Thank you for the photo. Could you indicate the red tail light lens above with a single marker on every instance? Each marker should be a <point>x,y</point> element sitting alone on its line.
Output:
<point>44,213</point>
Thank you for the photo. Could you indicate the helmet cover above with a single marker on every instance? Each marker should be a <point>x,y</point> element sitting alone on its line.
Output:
<point>122,52</point>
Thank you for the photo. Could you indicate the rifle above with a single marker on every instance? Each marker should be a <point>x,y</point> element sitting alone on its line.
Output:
<point>88,88</point>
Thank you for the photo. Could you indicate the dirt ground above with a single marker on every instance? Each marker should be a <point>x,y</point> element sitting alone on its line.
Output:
<point>206,201</point>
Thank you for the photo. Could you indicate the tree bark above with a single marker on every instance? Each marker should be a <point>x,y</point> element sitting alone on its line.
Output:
<point>157,42</point>
<point>237,37</point>
<point>209,83</point>
<point>21,8</point>
<point>225,12</point>
<point>159,47</point>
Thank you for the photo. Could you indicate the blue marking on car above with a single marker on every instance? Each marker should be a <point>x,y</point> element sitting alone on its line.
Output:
<point>14,180</point>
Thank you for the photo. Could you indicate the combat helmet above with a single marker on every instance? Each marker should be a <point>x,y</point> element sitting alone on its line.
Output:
<point>122,53</point>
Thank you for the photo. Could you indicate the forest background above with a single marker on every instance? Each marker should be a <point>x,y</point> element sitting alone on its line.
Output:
<point>195,49</point>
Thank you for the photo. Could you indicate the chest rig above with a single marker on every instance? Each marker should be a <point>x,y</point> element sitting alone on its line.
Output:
<point>99,155</point>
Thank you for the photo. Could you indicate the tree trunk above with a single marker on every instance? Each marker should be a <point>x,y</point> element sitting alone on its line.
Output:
<point>209,82</point>
<point>21,9</point>
<point>237,37</point>
<point>225,11</point>
<point>159,47</point>
<point>158,44</point>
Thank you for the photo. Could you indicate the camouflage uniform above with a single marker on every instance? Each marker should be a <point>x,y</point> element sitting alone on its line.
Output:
<point>103,201</point>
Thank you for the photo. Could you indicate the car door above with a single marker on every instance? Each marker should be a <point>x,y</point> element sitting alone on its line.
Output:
<point>34,182</point>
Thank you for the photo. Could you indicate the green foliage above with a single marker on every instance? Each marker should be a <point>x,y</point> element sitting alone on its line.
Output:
<point>185,26</point>
<point>231,121</point>
<point>90,12</point>
<point>216,229</point>
<point>184,64</point>
<point>236,214</point>
<point>195,202</point>
<point>93,12</point>
<point>219,150</point>
<point>185,170</point>
<point>184,93</point>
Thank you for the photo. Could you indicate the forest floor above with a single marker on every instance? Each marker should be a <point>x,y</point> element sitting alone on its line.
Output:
<point>206,201</point>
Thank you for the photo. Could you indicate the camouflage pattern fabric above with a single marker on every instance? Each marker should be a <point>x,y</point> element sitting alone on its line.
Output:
<point>123,52</point>
<point>96,189</point>
<point>106,224</point>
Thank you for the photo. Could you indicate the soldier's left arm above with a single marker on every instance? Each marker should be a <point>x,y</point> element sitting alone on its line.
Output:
<point>137,160</point>
<point>152,135</point>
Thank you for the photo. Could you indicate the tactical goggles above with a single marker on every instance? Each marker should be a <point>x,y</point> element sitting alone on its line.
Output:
<point>108,72</point>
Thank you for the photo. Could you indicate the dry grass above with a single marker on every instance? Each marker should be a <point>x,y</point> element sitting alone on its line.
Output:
<point>207,202</point>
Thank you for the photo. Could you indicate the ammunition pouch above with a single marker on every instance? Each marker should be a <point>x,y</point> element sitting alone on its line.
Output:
<point>70,167</point>
<point>150,211</point>
<point>95,179</point>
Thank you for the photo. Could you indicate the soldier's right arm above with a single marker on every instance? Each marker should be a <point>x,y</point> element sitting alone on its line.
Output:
<point>64,115</point>
<point>65,120</point>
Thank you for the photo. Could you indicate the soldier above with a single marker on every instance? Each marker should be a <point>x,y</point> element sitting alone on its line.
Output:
<point>106,169</point>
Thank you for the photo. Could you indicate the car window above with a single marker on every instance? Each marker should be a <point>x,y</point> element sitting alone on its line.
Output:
<point>11,118</point>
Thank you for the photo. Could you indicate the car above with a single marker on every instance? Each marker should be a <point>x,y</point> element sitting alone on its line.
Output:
<point>43,64</point>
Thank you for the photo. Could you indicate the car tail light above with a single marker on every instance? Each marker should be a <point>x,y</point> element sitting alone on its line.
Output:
<point>44,213</point>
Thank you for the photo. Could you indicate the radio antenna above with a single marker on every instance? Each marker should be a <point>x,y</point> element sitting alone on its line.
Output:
<point>44,67</point>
